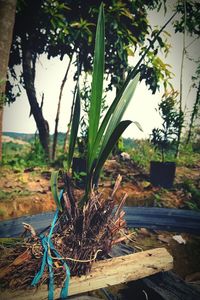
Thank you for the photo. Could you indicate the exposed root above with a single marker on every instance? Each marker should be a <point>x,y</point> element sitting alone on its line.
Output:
<point>80,236</point>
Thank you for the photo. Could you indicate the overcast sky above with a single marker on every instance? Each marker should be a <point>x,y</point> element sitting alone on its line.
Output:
<point>49,75</point>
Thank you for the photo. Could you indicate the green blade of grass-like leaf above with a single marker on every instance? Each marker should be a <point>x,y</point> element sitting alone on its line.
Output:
<point>54,189</point>
<point>120,109</point>
<point>119,129</point>
<point>97,82</point>
<point>109,113</point>
<point>74,129</point>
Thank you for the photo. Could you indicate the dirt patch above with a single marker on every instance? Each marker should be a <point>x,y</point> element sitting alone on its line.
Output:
<point>28,205</point>
<point>24,193</point>
<point>29,193</point>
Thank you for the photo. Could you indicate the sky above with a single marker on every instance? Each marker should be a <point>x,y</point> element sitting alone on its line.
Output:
<point>49,75</point>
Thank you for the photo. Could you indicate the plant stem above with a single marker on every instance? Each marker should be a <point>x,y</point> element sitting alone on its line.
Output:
<point>194,114</point>
<point>181,82</point>
<point>58,108</point>
<point>70,120</point>
<point>151,43</point>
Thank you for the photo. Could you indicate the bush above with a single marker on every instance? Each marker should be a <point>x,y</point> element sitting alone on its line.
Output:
<point>143,152</point>
<point>187,156</point>
<point>19,157</point>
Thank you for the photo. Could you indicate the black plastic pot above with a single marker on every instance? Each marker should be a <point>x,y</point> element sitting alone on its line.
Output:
<point>162,173</point>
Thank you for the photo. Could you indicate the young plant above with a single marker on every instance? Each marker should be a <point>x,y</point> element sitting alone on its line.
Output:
<point>165,138</point>
<point>101,137</point>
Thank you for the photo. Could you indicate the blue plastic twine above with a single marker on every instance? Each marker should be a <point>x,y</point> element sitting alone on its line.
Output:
<point>47,260</point>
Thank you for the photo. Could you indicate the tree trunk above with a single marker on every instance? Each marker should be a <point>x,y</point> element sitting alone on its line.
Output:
<point>194,114</point>
<point>79,68</point>
<point>70,120</point>
<point>7,20</point>
<point>58,109</point>
<point>36,110</point>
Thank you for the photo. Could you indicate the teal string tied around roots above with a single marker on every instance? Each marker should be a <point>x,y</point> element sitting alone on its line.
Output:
<point>49,248</point>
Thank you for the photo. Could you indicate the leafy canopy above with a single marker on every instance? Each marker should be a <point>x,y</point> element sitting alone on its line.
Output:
<point>59,28</point>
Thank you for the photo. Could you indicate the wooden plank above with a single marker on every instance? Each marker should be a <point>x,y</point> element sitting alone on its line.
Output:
<point>106,273</point>
<point>167,219</point>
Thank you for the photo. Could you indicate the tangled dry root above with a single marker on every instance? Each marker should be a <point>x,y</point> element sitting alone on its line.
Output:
<point>81,235</point>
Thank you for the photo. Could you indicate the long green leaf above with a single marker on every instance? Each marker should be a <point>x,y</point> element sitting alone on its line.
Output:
<point>119,129</point>
<point>74,129</point>
<point>54,189</point>
<point>120,109</point>
<point>114,115</point>
<point>97,82</point>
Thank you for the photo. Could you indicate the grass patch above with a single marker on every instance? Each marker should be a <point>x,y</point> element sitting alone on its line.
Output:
<point>4,195</point>
<point>2,212</point>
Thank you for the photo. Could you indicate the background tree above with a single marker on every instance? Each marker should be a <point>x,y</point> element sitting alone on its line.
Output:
<point>60,28</point>
<point>189,23</point>
<point>196,106</point>
<point>29,41</point>
<point>126,29</point>
<point>7,19</point>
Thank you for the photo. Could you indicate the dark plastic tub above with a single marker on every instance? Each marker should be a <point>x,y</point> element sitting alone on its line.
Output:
<point>162,173</point>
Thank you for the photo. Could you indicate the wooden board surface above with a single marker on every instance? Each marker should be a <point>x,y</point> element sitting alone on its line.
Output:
<point>105,273</point>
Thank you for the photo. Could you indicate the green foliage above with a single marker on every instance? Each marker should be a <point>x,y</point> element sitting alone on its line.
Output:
<point>165,139</point>
<point>193,206</point>
<point>60,28</point>
<point>80,177</point>
<point>4,195</point>
<point>142,153</point>
<point>2,213</point>
<point>14,156</point>
<point>85,95</point>
<point>158,197</point>
<point>154,71</point>
<point>10,242</point>
<point>103,137</point>
<point>192,17</point>
<point>196,140</point>
<point>128,144</point>
<point>118,147</point>
<point>19,157</point>
<point>188,157</point>
<point>97,82</point>
<point>194,192</point>
<point>36,156</point>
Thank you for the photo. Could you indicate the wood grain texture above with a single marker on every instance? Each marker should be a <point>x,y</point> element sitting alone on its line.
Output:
<point>106,273</point>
